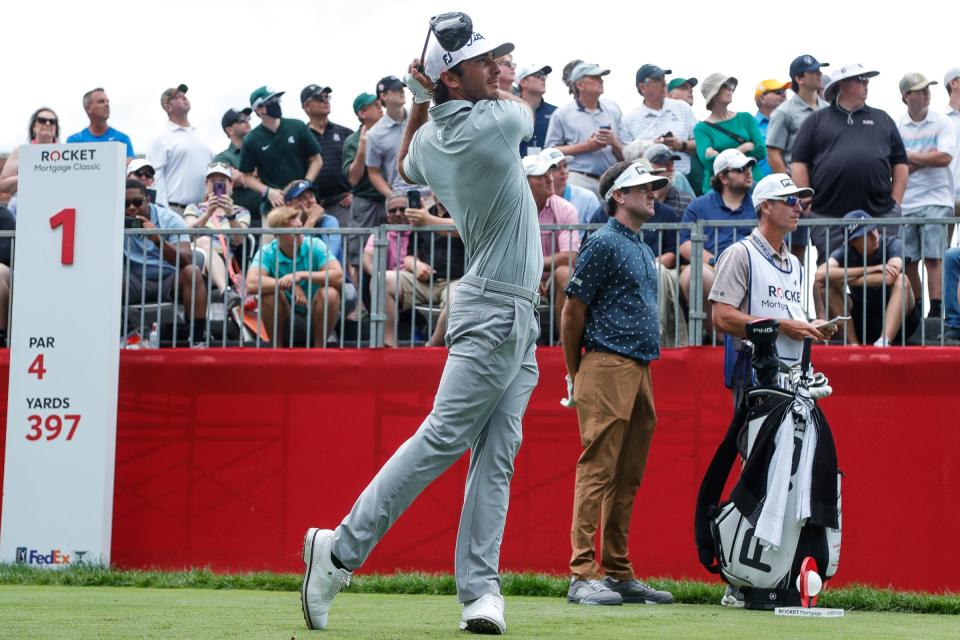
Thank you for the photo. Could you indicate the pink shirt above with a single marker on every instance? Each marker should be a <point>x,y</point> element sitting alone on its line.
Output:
<point>559,211</point>
<point>398,243</point>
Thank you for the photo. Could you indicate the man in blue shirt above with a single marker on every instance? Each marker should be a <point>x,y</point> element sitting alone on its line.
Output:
<point>768,95</point>
<point>299,273</point>
<point>532,80</point>
<point>611,311</point>
<point>97,106</point>
<point>729,199</point>
<point>154,264</point>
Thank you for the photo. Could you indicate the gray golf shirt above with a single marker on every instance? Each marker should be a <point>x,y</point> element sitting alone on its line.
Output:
<point>467,154</point>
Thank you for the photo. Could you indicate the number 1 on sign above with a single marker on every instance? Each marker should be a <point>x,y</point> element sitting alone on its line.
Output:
<point>67,218</point>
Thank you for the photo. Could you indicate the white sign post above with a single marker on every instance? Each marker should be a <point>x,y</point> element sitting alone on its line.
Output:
<point>64,356</point>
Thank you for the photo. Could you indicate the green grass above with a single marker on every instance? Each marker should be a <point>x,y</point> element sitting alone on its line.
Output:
<point>110,613</point>
<point>858,598</point>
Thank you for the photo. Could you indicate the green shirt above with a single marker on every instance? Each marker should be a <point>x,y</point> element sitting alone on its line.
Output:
<point>467,154</point>
<point>363,188</point>
<point>280,157</point>
<point>744,125</point>
<point>246,198</point>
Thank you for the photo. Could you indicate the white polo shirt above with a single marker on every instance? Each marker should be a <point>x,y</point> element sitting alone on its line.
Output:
<point>644,123</point>
<point>180,158</point>
<point>954,116</point>
<point>929,186</point>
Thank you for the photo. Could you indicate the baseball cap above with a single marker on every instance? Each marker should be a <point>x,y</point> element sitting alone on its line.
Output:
<point>635,175</point>
<point>363,100</point>
<point>535,165</point>
<point>313,90</point>
<point>846,72</point>
<point>555,156</point>
<point>712,83</point>
<point>857,223</point>
<point>172,91</point>
<point>137,164</point>
<point>648,71</point>
<point>731,159</point>
<point>914,82</point>
<point>679,82</point>
<point>219,169</point>
<point>439,59</point>
<point>804,63</point>
<point>585,69</point>
<point>660,153</point>
<point>770,85</point>
<point>530,69</point>
<point>232,115</point>
<point>388,83</point>
<point>951,75</point>
<point>263,94</point>
<point>777,185</point>
<point>297,189</point>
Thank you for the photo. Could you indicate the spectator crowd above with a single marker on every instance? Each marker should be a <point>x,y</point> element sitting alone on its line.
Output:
<point>869,172</point>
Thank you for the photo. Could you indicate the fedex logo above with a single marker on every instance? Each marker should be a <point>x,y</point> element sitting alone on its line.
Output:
<point>783,294</point>
<point>55,557</point>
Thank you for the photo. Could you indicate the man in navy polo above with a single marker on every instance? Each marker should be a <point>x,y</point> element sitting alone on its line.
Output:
<point>532,80</point>
<point>611,311</point>
<point>727,200</point>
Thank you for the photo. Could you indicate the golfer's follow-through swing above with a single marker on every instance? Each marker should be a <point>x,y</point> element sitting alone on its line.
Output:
<point>467,154</point>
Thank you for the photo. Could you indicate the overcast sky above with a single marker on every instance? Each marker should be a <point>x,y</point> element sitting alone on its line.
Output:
<point>223,50</point>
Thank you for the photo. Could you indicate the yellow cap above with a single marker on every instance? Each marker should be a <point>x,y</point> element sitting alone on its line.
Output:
<point>769,85</point>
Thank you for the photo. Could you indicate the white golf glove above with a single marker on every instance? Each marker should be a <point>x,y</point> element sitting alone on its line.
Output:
<point>569,402</point>
<point>420,93</point>
<point>819,387</point>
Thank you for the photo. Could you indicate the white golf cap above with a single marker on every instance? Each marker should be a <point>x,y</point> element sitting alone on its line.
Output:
<point>846,72</point>
<point>731,159</point>
<point>951,75</point>
<point>530,69</point>
<point>585,69</point>
<point>137,164</point>
<point>536,165</point>
<point>775,186</point>
<point>220,169</point>
<point>633,176</point>
<point>440,60</point>
<point>554,156</point>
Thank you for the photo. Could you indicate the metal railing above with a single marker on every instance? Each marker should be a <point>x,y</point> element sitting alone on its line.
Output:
<point>372,300</point>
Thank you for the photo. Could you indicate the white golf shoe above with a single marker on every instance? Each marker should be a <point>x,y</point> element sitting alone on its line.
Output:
<point>484,615</point>
<point>321,579</point>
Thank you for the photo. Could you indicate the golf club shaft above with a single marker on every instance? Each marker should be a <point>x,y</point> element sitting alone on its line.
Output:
<point>424,54</point>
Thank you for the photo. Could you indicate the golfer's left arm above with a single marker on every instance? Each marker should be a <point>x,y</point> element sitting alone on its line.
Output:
<point>572,322</point>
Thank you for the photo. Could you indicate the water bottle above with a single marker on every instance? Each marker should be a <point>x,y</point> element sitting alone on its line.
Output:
<point>153,341</point>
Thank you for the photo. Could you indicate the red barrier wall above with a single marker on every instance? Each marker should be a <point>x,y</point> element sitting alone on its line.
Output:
<point>224,457</point>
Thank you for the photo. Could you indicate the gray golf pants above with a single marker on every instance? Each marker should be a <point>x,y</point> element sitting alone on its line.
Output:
<point>490,372</point>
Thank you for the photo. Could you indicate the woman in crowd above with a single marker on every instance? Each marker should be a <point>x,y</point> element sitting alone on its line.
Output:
<point>44,128</point>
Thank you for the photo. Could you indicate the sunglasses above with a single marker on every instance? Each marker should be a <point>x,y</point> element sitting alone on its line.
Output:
<point>397,210</point>
<point>863,79</point>
<point>779,92</point>
<point>539,75</point>
<point>743,169</point>
<point>242,119</point>
<point>144,173</point>
<point>136,202</point>
<point>50,121</point>
<point>508,64</point>
<point>790,201</point>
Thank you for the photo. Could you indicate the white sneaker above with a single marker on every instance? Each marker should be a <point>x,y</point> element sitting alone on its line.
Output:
<point>732,597</point>
<point>321,579</point>
<point>484,615</point>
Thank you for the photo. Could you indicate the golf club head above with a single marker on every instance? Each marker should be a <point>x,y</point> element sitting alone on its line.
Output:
<point>452,30</point>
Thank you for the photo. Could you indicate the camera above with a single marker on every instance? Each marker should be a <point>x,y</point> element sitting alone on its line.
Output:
<point>130,222</point>
<point>219,188</point>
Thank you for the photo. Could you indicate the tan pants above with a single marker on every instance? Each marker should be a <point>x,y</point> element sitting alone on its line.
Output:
<point>615,406</point>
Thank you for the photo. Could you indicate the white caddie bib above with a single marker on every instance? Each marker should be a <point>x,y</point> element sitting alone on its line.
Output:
<point>775,293</point>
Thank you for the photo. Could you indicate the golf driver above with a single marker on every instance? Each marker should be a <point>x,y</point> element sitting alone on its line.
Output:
<point>452,30</point>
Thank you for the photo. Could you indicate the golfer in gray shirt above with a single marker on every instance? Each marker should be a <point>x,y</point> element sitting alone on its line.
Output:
<point>467,154</point>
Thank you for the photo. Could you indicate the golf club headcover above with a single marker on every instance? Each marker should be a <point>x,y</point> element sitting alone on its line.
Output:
<point>420,93</point>
<point>819,387</point>
<point>766,360</point>
<point>569,402</point>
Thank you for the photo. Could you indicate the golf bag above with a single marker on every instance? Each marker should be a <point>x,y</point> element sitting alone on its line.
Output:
<point>786,504</point>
